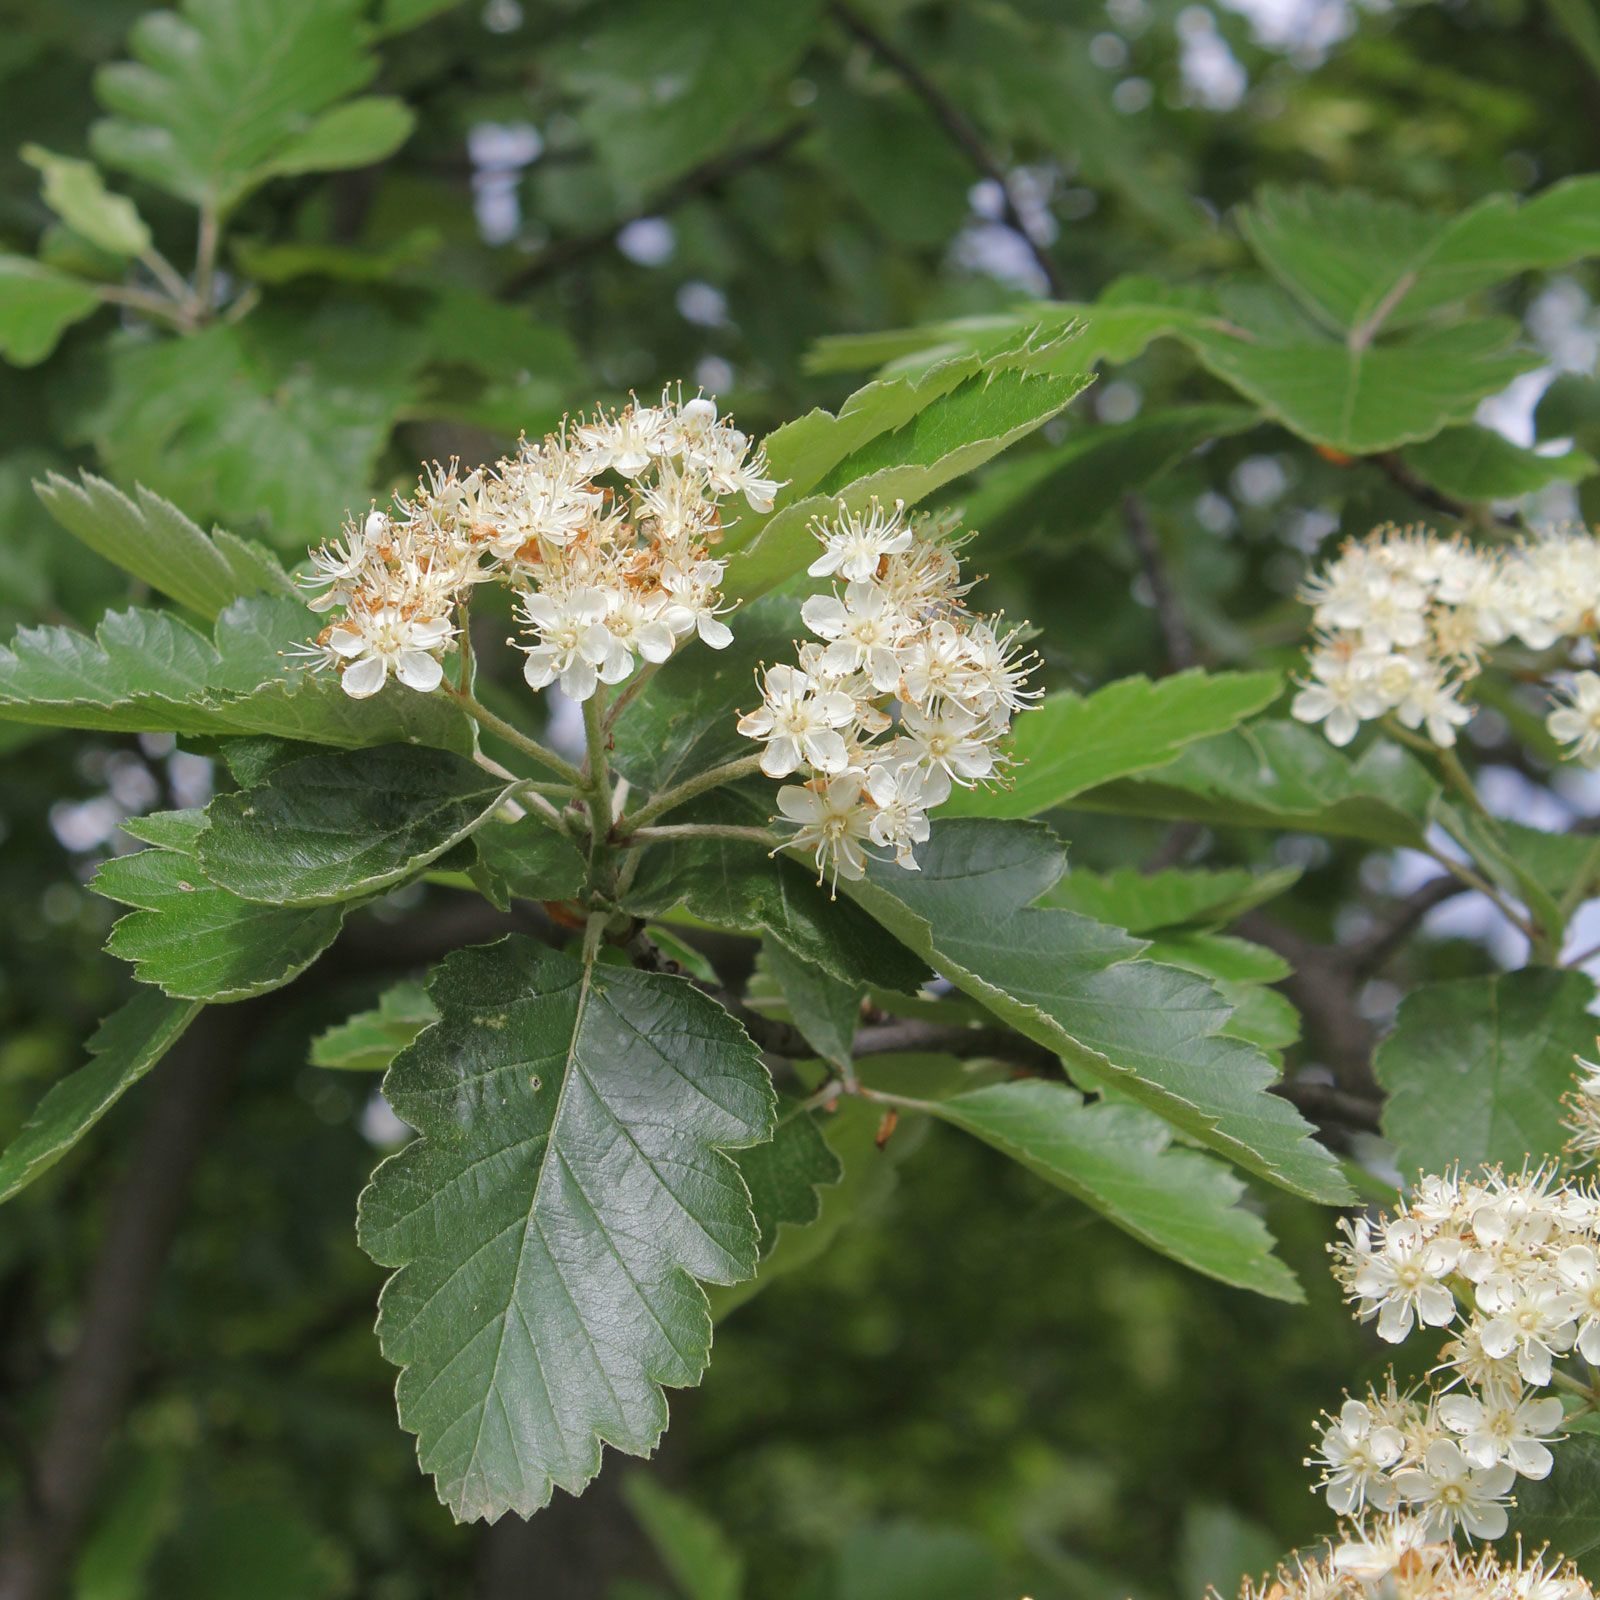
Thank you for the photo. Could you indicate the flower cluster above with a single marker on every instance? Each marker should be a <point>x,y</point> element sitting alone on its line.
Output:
<point>1399,1558</point>
<point>1511,1266</point>
<point>603,529</point>
<point>902,693</point>
<point>1404,619</point>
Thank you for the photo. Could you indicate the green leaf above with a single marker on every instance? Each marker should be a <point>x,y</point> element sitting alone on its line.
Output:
<point>76,192</point>
<point>338,827</point>
<point>1073,742</point>
<point>825,1009</point>
<point>735,885</point>
<point>148,671</point>
<point>37,305</point>
<point>1120,1161</point>
<point>1154,1032</point>
<point>236,423</point>
<point>1144,901</point>
<point>219,92</point>
<point>1062,492</point>
<point>370,1040</point>
<point>1363,399</point>
<point>785,1174</point>
<point>526,860</point>
<point>355,134</point>
<point>1261,1016</point>
<point>1360,264</point>
<point>1479,464</point>
<point>124,1048</point>
<point>151,539</point>
<point>665,84</point>
<point>693,1549</point>
<point>193,940</point>
<point>1283,775</point>
<point>1475,1069</point>
<point>568,1187</point>
<point>899,438</point>
<point>1561,1510</point>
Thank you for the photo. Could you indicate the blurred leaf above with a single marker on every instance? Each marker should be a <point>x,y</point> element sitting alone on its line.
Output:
<point>1479,464</point>
<point>1219,1550</point>
<point>1119,1160</point>
<point>1283,775</point>
<point>151,539</point>
<point>144,1504</point>
<point>76,192</point>
<point>38,305</point>
<point>123,1049</point>
<point>1361,264</point>
<point>1073,742</point>
<point>355,134</point>
<point>906,1561</point>
<point>825,1009</point>
<point>266,1543</point>
<point>1143,901</point>
<point>338,827</point>
<point>784,1175</point>
<point>241,422</point>
<point>1062,492</point>
<point>223,91</point>
<point>665,84</point>
<point>1475,1069</point>
<point>693,1549</point>
<point>370,1040</point>
<point>568,1186</point>
<point>1080,989</point>
<point>193,940</point>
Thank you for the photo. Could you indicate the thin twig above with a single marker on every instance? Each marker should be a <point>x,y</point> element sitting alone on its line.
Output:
<point>1174,626</point>
<point>962,132</point>
<point>701,783</point>
<point>699,830</point>
<point>1402,477</point>
<point>564,253</point>
<point>486,719</point>
<point>1387,936</point>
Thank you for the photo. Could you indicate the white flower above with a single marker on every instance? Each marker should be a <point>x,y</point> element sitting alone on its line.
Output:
<point>372,644</point>
<point>1451,1493</point>
<point>799,722</point>
<point>1395,1541</point>
<point>1401,1282</point>
<point>574,641</point>
<point>638,626</point>
<point>862,630</point>
<point>1504,1425</point>
<point>831,821</point>
<point>903,796</point>
<point>951,741</point>
<point>856,542</point>
<point>939,667</point>
<point>1530,1314</point>
<point>1341,693</point>
<point>1431,702</point>
<point>1579,1268</point>
<point>625,443</point>
<point>1576,722</point>
<point>693,603</point>
<point>1356,1453</point>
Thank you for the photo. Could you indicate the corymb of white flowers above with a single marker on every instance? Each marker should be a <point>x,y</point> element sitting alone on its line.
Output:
<point>902,694</point>
<point>604,529</point>
<point>1405,619</point>
<point>1507,1267</point>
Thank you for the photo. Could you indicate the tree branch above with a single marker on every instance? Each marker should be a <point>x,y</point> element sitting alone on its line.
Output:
<point>962,132</point>
<point>1174,626</point>
<point>1402,477</point>
<point>189,1089</point>
<point>565,253</point>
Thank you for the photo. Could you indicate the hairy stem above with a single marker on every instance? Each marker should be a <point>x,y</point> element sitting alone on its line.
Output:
<point>713,778</point>
<point>487,720</point>
<point>701,830</point>
<point>598,785</point>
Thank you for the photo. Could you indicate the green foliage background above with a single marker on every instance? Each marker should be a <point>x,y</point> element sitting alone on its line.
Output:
<point>979,1389</point>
